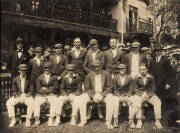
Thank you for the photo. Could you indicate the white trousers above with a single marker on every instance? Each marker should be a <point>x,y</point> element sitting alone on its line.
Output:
<point>23,99</point>
<point>39,100</point>
<point>85,99</point>
<point>74,100</point>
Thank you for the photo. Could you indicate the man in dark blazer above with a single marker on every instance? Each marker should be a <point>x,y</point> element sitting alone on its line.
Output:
<point>59,61</point>
<point>22,94</point>
<point>93,56</point>
<point>112,56</point>
<point>160,68</point>
<point>70,90</point>
<point>76,56</point>
<point>47,86</point>
<point>134,60</point>
<point>19,56</point>
<point>98,87</point>
<point>35,66</point>
<point>145,88</point>
<point>123,89</point>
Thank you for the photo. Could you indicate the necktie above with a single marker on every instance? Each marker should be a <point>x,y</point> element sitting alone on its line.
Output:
<point>19,50</point>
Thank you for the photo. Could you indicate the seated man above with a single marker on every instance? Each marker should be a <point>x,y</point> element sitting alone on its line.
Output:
<point>98,87</point>
<point>144,86</point>
<point>47,85</point>
<point>123,85</point>
<point>21,93</point>
<point>70,90</point>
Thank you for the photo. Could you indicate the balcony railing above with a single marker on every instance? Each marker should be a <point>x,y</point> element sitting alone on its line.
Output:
<point>139,25</point>
<point>57,12</point>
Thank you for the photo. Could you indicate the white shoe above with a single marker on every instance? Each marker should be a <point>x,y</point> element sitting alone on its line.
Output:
<point>13,122</point>
<point>139,124</point>
<point>110,126</point>
<point>158,124</point>
<point>73,121</point>
<point>37,122</point>
<point>81,124</point>
<point>28,123</point>
<point>50,122</point>
<point>132,125</point>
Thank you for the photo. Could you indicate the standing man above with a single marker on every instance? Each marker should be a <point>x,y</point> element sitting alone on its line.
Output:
<point>47,86</point>
<point>59,61</point>
<point>18,57</point>
<point>98,87</point>
<point>70,89</point>
<point>21,94</point>
<point>94,55</point>
<point>144,84</point>
<point>134,60</point>
<point>76,56</point>
<point>123,89</point>
<point>112,56</point>
<point>36,66</point>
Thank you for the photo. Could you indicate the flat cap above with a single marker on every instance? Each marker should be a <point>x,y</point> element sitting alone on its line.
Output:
<point>58,45</point>
<point>47,65</point>
<point>31,49</point>
<point>38,49</point>
<point>144,48</point>
<point>93,41</point>
<point>70,67</point>
<point>19,39</point>
<point>135,44</point>
<point>121,66</point>
<point>23,67</point>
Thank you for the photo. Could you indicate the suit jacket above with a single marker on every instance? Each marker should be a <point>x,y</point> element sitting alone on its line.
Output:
<point>74,87</point>
<point>161,71</point>
<point>51,86</point>
<point>15,62</point>
<point>106,83</point>
<point>126,88</point>
<point>110,61</point>
<point>140,87</point>
<point>89,60</point>
<point>35,70</point>
<point>60,67</point>
<point>128,61</point>
<point>16,86</point>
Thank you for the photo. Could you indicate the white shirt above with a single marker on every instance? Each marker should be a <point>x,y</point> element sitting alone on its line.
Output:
<point>47,77</point>
<point>69,78</point>
<point>37,60</point>
<point>114,51</point>
<point>77,52</point>
<point>122,79</point>
<point>135,65</point>
<point>19,54</point>
<point>98,86</point>
<point>58,58</point>
<point>23,79</point>
<point>94,55</point>
<point>158,58</point>
<point>144,78</point>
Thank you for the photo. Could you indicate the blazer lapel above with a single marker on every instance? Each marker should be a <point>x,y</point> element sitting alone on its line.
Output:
<point>19,83</point>
<point>93,81</point>
<point>102,80</point>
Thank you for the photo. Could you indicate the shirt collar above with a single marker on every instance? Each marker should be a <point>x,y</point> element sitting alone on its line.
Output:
<point>147,76</point>
<point>77,49</point>
<point>38,58</point>
<point>22,77</point>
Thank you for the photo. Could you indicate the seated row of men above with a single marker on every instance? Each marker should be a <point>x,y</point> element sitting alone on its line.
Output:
<point>99,86</point>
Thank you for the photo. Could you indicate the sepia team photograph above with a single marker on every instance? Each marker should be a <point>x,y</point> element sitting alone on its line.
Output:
<point>90,66</point>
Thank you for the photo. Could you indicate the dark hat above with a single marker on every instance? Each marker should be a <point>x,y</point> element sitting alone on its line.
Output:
<point>47,65</point>
<point>23,67</point>
<point>58,45</point>
<point>38,49</point>
<point>93,41</point>
<point>48,49</point>
<point>70,67</point>
<point>19,39</point>
<point>118,67</point>
<point>97,63</point>
<point>126,49</point>
<point>136,44</point>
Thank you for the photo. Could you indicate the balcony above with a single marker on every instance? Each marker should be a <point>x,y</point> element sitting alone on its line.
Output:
<point>139,26</point>
<point>55,12</point>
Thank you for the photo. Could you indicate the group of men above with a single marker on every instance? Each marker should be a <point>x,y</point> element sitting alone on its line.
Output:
<point>82,76</point>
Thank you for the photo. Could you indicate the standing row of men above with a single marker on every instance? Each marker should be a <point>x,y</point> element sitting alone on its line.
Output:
<point>67,72</point>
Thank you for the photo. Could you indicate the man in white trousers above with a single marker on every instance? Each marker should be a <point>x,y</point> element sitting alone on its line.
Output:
<point>98,88</point>
<point>22,94</point>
